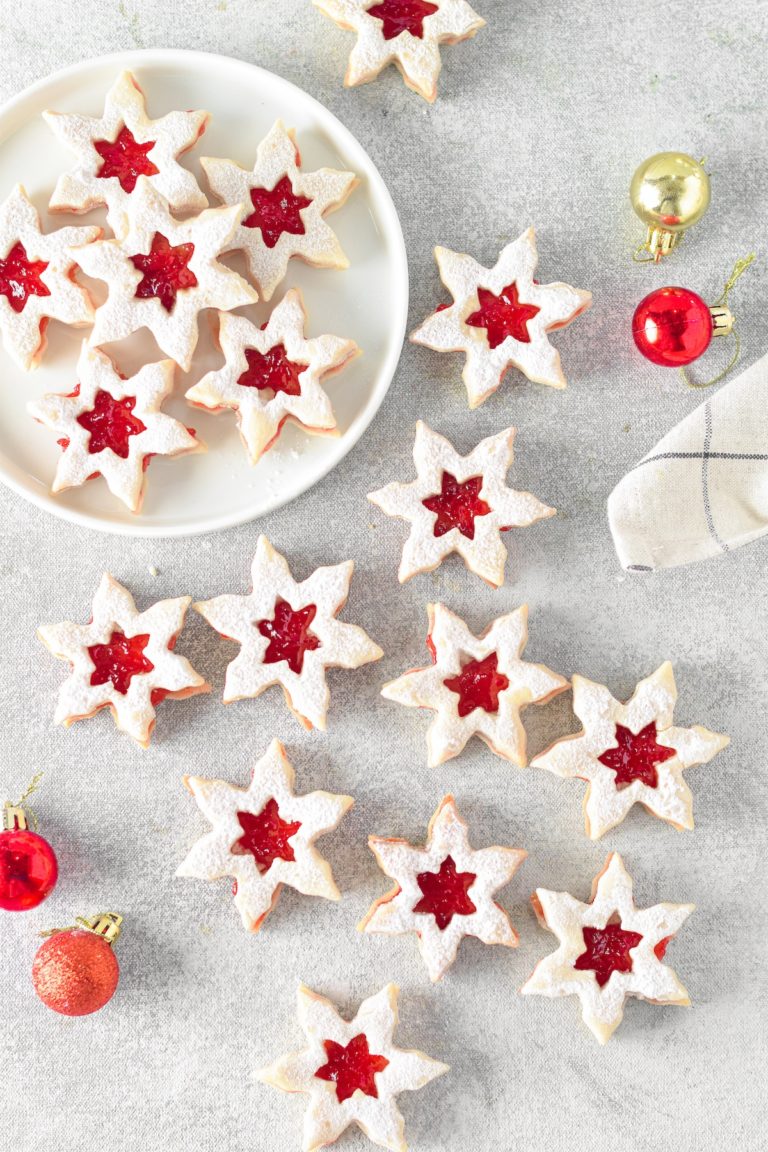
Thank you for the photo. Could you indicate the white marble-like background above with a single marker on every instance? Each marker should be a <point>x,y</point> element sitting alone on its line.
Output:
<point>541,119</point>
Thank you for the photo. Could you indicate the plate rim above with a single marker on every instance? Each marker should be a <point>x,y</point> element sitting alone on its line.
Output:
<point>138,57</point>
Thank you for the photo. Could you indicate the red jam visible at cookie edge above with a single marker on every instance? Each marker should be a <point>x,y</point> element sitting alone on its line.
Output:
<point>289,635</point>
<point>503,315</point>
<point>457,505</point>
<point>400,16</point>
<point>20,278</point>
<point>125,159</point>
<point>636,756</point>
<point>266,836</point>
<point>445,893</point>
<point>351,1068</point>
<point>607,950</point>
<point>165,271</point>
<point>277,211</point>
<point>478,685</point>
<point>110,424</point>
<point>660,949</point>
<point>272,370</point>
<point>119,660</point>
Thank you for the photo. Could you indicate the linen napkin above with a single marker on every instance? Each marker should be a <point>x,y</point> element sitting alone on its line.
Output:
<point>703,489</point>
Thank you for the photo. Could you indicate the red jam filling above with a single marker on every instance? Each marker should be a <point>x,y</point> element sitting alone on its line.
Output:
<point>402,16</point>
<point>272,370</point>
<point>636,756</point>
<point>266,836</point>
<point>277,211</point>
<point>125,158</point>
<point>457,505</point>
<point>119,660</point>
<point>445,893</point>
<point>165,271</point>
<point>20,278</point>
<point>503,315</point>
<point>289,635</point>
<point>352,1068</point>
<point>111,424</point>
<point>478,685</point>
<point>607,951</point>
<point>660,949</point>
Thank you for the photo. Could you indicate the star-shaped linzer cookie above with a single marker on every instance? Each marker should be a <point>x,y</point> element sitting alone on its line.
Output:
<point>631,753</point>
<point>37,281</point>
<point>501,317</point>
<point>351,1070</point>
<point>289,634</point>
<point>281,208</point>
<point>113,150</point>
<point>444,891</point>
<point>264,836</point>
<point>476,685</point>
<point>163,273</point>
<point>459,504</point>
<point>608,949</point>
<point>407,33</point>
<point>111,426</point>
<point>123,660</point>
<point>273,374</point>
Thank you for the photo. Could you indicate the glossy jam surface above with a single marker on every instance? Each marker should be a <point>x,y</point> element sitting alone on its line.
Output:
<point>636,756</point>
<point>277,211</point>
<point>266,836</point>
<point>503,315</point>
<point>272,370</point>
<point>478,685</point>
<point>445,893</point>
<point>119,660</point>
<point>125,159</point>
<point>111,424</point>
<point>402,16</point>
<point>164,271</point>
<point>352,1068</point>
<point>672,327</point>
<point>607,950</point>
<point>289,635</point>
<point>28,869</point>
<point>20,278</point>
<point>457,505</point>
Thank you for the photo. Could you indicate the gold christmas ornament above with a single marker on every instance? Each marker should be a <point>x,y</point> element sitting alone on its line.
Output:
<point>669,192</point>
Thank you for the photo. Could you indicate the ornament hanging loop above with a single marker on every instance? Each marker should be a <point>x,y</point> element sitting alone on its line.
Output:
<point>108,925</point>
<point>17,817</point>
<point>723,322</point>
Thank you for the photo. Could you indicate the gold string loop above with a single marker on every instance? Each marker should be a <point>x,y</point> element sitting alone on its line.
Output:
<point>737,272</point>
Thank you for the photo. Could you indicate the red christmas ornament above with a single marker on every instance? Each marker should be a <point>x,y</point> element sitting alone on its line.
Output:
<point>28,866</point>
<point>75,972</point>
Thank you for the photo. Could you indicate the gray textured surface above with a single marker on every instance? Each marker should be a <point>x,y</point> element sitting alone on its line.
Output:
<point>541,119</point>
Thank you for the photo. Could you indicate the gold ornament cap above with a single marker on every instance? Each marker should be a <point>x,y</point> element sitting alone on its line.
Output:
<point>669,192</point>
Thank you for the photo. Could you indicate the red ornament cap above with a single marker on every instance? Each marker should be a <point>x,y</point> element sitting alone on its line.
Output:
<point>672,327</point>
<point>28,866</point>
<point>75,972</point>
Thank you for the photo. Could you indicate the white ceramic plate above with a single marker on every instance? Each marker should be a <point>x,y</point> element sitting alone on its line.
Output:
<point>367,302</point>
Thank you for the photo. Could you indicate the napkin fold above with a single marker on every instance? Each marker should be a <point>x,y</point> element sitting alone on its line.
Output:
<point>703,489</point>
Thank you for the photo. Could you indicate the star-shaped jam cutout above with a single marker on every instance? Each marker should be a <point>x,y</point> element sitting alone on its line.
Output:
<point>272,625</point>
<point>608,949</point>
<point>112,426</point>
<point>273,374</point>
<point>263,836</point>
<point>165,271</point>
<point>636,756</point>
<point>351,1070</point>
<point>459,504</point>
<point>276,211</point>
<point>351,1067</point>
<point>125,158</point>
<point>123,660</point>
<point>289,206</point>
<point>501,317</point>
<point>114,150</point>
<point>21,278</point>
<point>476,685</point>
<point>407,33</point>
<point>631,753</point>
<point>443,890</point>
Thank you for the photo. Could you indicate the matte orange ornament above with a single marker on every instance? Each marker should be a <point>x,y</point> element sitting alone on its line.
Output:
<point>75,972</point>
